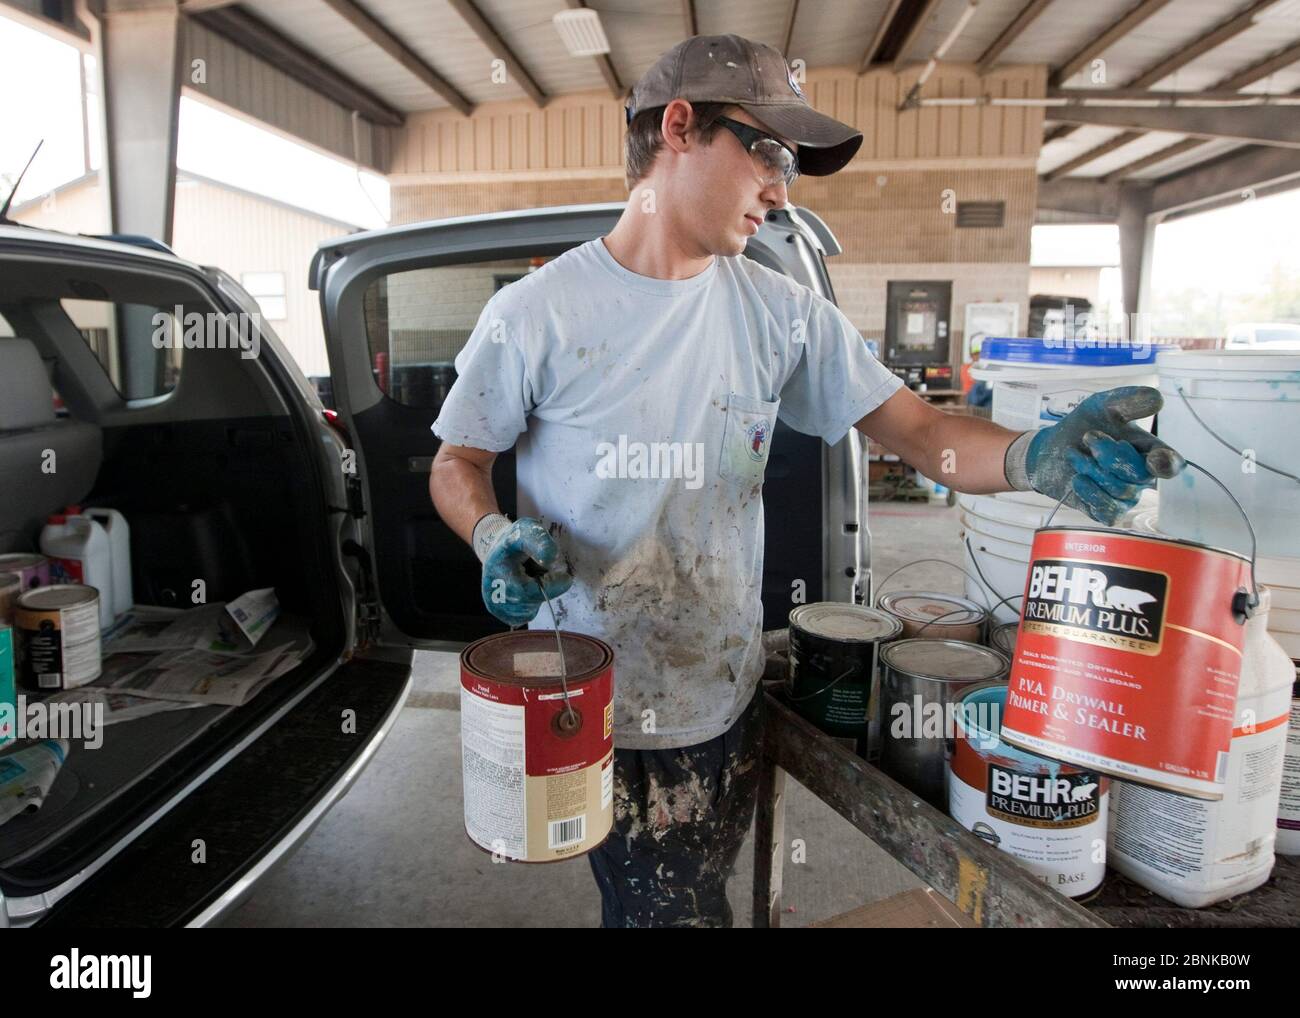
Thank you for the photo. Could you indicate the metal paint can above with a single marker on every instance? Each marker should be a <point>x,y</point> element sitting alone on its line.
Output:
<point>1129,657</point>
<point>11,585</point>
<point>928,615</point>
<point>1003,639</point>
<point>1049,815</point>
<point>33,570</point>
<point>538,763</point>
<point>919,685</point>
<point>58,631</point>
<point>833,648</point>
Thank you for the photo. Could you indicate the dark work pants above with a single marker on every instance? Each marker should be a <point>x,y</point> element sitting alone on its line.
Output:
<point>679,818</point>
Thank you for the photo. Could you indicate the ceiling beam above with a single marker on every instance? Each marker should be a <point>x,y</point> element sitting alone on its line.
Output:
<point>1082,197</point>
<point>878,36</point>
<point>1027,16</point>
<point>1261,124</point>
<point>1284,57</point>
<point>689,21</point>
<point>1250,169</point>
<point>1168,152</point>
<point>492,40</point>
<point>914,29</point>
<point>1234,82</point>
<point>400,52</point>
<point>603,62</point>
<point>1234,26</point>
<point>1108,38</point>
<point>253,34</point>
<point>1083,159</point>
<point>789,29</point>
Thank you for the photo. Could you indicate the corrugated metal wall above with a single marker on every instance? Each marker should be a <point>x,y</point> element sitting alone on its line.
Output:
<point>584,131</point>
<point>236,78</point>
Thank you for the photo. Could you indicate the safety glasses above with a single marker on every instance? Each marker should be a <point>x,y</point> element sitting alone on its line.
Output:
<point>775,162</point>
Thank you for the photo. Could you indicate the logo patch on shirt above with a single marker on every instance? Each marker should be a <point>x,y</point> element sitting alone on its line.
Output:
<point>758,434</point>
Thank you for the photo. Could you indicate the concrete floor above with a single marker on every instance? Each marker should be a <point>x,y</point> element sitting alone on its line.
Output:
<point>393,852</point>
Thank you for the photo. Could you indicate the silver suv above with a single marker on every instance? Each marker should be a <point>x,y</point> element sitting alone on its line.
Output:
<point>230,469</point>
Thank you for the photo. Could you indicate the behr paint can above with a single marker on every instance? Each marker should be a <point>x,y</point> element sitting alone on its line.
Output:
<point>33,570</point>
<point>919,684</point>
<point>833,648</point>
<point>1049,815</point>
<point>58,630</point>
<point>538,764</point>
<point>1129,657</point>
<point>928,615</point>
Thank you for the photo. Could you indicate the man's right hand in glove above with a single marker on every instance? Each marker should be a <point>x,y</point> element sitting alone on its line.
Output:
<point>505,549</point>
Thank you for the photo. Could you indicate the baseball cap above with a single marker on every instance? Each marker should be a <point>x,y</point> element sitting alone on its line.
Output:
<point>755,77</point>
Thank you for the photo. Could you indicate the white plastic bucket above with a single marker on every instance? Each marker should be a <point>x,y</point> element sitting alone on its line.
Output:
<point>1252,401</point>
<point>1027,396</point>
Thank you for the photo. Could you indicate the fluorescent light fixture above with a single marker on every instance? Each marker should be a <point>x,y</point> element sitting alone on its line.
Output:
<point>581,32</point>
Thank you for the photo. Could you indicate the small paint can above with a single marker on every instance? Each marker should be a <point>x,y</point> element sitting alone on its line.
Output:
<point>58,629</point>
<point>1129,657</point>
<point>1049,815</point>
<point>1003,639</point>
<point>32,570</point>
<point>833,648</point>
<point>919,684</point>
<point>928,615</point>
<point>11,585</point>
<point>537,744</point>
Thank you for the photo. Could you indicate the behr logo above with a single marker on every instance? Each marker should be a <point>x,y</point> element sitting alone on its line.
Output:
<point>102,972</point>
<point>1114,606</point>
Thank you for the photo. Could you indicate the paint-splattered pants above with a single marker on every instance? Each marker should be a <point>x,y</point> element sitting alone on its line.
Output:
<point>680,816</point>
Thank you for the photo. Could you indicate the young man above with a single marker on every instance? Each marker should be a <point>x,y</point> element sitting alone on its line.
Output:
<point>662,336</point>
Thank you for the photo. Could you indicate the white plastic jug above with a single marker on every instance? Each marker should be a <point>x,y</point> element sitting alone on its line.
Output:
<point>79,552</point>
<point>119,542</point>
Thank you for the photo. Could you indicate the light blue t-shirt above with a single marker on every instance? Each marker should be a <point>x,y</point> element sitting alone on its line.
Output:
<point>642,413</point>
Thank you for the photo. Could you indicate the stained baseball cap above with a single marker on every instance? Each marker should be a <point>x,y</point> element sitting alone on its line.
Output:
<point>755,77</point>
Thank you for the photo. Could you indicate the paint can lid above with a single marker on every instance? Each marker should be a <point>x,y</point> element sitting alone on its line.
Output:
<point>21,560</point>
<point>530,657</point>
<point>850,623</point>
<point>926,606</point>
<point>945,660</point>
<point>61,595</point>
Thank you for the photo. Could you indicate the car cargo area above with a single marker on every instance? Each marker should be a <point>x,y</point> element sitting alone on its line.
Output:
<point>217,506</point>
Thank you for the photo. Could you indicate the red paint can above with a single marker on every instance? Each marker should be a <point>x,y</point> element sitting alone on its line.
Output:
<point>538,762</point>
<point>1128,657</point>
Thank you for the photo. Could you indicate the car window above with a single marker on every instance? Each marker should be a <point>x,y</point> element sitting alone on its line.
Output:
<point>1278,335</point>
<point>111,329</point>
<point>418,320</point>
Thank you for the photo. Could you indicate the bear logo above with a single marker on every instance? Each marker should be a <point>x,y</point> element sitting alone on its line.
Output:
<point>1080,793</point>
<point>1126,599</point>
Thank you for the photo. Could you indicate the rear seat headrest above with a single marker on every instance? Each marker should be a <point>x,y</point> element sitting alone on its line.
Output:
<point>26,398</point>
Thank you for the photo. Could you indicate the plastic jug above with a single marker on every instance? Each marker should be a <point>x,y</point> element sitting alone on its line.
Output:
<point>119,543</point>
<point>79,552</point>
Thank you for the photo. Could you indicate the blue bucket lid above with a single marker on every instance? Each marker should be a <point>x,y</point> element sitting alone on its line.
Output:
<point>1085,353</point>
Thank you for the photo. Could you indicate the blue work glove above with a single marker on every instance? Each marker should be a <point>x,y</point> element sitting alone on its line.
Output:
<point>1096,458</point>
<point>508,552</point>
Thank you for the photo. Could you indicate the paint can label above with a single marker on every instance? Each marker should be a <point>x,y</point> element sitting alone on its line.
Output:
<point>1128,658</point>
<point>1054,823</point>
<point>1288,811</point>
<point>531,793</point>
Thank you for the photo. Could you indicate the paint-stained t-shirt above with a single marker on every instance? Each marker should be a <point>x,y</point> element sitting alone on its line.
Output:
<point>642,412</point>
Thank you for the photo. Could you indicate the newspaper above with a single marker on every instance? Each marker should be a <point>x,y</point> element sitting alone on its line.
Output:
<point>180,656</point>
<point>119,706</point>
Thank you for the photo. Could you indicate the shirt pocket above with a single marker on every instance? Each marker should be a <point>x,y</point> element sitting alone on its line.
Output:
<point>747,438</point>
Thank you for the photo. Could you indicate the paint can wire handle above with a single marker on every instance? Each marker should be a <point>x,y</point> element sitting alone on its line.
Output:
<point>917,562</point>
<point>1244,602</point>
<point>569,721</point>
<point>789,686</point>
<point>1224,442</point>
